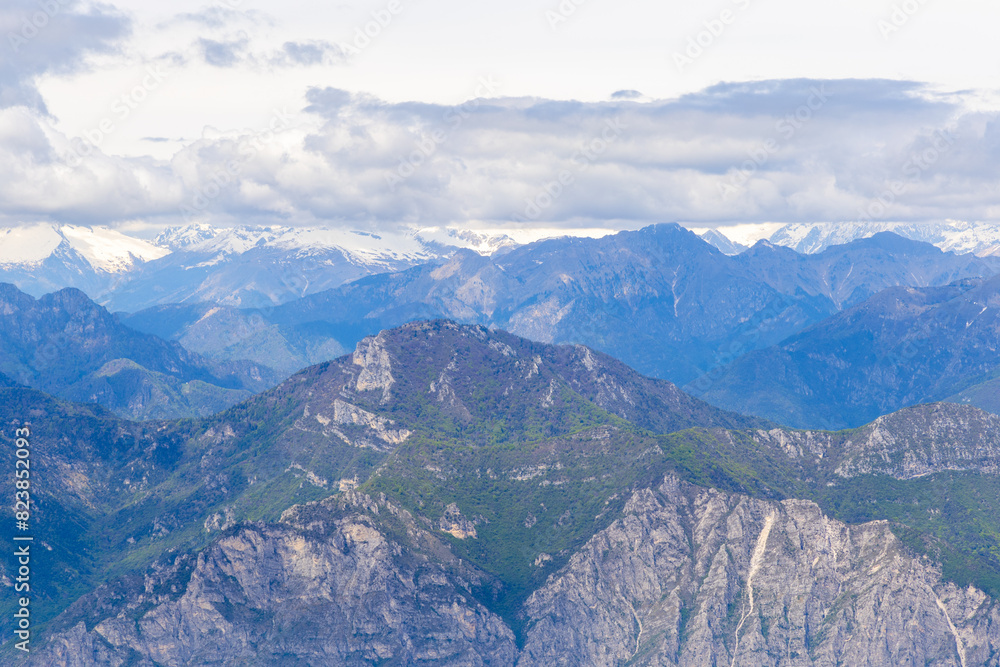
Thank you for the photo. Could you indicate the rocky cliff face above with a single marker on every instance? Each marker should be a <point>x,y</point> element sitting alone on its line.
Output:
<point>324,587</point>
<point>686,576</point>
<point>907,444</point>
<point>696,577</point>
<point>502,502</point>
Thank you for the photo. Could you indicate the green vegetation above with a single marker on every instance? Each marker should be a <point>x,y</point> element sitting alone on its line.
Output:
<point>533,463</point>
<point>953,517</point>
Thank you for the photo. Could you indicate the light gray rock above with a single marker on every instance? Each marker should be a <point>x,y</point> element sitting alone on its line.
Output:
<point>339,592</point>
<point>686,577</point>
<point>695,577</point>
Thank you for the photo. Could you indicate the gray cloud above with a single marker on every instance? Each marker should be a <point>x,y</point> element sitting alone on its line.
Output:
<point>315,52</point>
<point>224,53</point>
<point>51,37</point>
<point>689,159</point>
<point>214,17</point>
<point>777,151</point>
<point>237,50</point>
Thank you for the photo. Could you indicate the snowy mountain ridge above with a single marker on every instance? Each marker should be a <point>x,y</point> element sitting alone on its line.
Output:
<point>411,244</point>
<point>245,266</point>
<point>979,238</point>
<point>111,251</point>
<point>105,250</point>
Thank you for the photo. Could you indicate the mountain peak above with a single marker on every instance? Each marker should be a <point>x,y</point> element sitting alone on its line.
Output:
<point>474,374</point>
<point>71,296</point>
<point>763,247</point>
<point>106,250</point>
<point>722,242</point>
<point>893,242</point>
<point>978,238</point>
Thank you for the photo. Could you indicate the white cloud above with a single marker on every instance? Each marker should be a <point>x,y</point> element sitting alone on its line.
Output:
<point>769,151</point>
<point>495,137</point>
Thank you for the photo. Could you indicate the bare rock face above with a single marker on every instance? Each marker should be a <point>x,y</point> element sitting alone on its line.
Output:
<point>687,576</point>
<point>453,523</point>
<point>696,577</point>
<point>907,444</point>
<point>372,356</point>
<point>923,440</point>
<point>333,593</point>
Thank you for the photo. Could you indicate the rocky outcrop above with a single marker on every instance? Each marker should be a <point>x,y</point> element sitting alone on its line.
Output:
<point>924,440</point>
<point>456,525</point>
<point>376,368</point>
<point>910,443</point>
<point>372,431</point>
<point>314,590</point>
<point>686,576</point>
<point>692,576</point>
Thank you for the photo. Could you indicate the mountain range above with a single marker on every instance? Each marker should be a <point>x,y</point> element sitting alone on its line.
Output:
<point>244,266</point>
<point>45,258</point>
<point>65,344</point>
<point>260,266</point>
<point>902,347</point>
<point>661,299</point>
<point>435,481</point>
<point>978,238</point>
<point>449,494</point>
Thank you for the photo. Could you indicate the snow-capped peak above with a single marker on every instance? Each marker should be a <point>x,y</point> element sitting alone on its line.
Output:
<point>400,244</point>
<point>29,244</point>
<point>962,237</point>
<point>175,238</point>
<point>225,240</point>
<point>109,250</point>
<point>482,242</point>
<point>105,249</point>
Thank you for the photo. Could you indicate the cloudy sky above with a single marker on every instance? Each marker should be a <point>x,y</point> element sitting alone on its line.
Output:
<point>526,113</point>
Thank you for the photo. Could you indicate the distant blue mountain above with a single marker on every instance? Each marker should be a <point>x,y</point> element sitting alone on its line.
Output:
<point>901,347</point>
<point>65,344</point>
<point>661,299</point>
